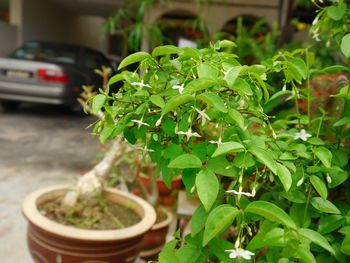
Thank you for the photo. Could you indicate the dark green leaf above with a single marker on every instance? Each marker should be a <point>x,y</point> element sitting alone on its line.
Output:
<point>198,220</point>
<point>329,223</point>
<point>199,84</point>
<point>284,175</point>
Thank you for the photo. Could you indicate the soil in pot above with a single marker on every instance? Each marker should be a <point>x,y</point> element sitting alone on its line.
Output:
<point>103,215</point>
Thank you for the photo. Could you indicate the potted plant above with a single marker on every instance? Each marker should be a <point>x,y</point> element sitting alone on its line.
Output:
<point>266,182</point>
<point>87,222</point>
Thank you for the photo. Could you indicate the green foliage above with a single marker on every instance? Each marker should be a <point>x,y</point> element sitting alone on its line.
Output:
<point>271,179</point>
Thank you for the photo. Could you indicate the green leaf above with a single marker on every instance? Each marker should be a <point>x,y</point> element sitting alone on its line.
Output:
<point>319,185</point>
<point>324,155</point>
<point>329,223</point>
<point>157,100</point>
<point>237,117</point>
<point>106,133</point>
<point>198,220</point>
<point>343,121</point>
<point>97,103</point>
<point>232,74</point>
<point>316,238</point>
<point>115,79</point>
<point>265,157</point>
<point>324,206</point>
<point>242,87</point>
<point>336,12</point>
<point>345,45</point>
<point>165,50</point>
<point>133,58</point>
<point>338,176</point>
<point>188,253</point>
<point>205,70</point>
<point>219,219</point>
<point>199,84</point>
<point>271,212</point>
<point>227,43</point>
<point>345,246</point>
<point>213,100</point>
<point>284,175</point>
<point>300,66</point>
<point>175,102</point>
<point>305,254</point>
<point>228,147</point>
<point>207,185</point>
<point>185,161</point>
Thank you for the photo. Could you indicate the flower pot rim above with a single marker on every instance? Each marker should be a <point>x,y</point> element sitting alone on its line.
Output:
<point>165,222</point>
<point>32,214</point>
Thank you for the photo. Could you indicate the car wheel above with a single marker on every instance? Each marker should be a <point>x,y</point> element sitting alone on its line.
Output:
<point>10,105</point>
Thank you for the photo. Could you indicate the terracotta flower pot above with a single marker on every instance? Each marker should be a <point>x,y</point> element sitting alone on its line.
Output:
<point>155,238</point>
<point>166,196</point>
<point>49,241</point>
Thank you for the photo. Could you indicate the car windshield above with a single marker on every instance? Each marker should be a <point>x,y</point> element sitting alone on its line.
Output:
<point>47,52</point>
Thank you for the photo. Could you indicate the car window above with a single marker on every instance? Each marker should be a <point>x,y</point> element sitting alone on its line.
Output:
<point>48,52</point>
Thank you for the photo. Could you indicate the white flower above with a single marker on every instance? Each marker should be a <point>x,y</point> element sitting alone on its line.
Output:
<point>158,121</point>
<point>240,253</point>
<point>239,193</point>
<point>88,183</point>
<point>179,87</point>
<point>189,134</point>
<point>140,123</point>
<point>218,142</point>
<point>303,135</point>
<point>202,115</point>
<point>141,84</point>
<point>315,34</point>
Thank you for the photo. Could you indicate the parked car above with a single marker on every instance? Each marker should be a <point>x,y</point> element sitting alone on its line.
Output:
<point>43,72</point>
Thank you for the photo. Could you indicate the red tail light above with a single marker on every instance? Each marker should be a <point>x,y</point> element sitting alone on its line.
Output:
<point>53,75</point>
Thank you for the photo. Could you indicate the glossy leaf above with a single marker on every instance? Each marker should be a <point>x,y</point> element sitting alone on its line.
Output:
<point>157,100</point>
<point>133,58</point>
<point>218,220</point>
<point>345,45</point>
<point>97,103</point>
<point>319,186</point>
<point>285,176</point>
<point>213,100</point>
<point>165,50</point>
<point>228,147</point>
<point>271,212</point>
<point>324,155</point>
<point>232,74</point>
<point>175,102</point>
<point>205,70</point>
<point>345,246</point>
<point>324,206</point>
<point>237,117</point>
<point>265,157</point>
<point>199,84</point>
<point>329,223</point>
<point>185,161</point>
<point>198,220</point>
<point>316,238</point>
<point>207,185</point>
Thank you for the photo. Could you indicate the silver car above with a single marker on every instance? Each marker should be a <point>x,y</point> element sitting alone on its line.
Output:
<point>52,73</point>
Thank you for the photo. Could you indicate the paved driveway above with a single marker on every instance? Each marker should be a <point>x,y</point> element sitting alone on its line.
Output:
<point>39,146</point>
